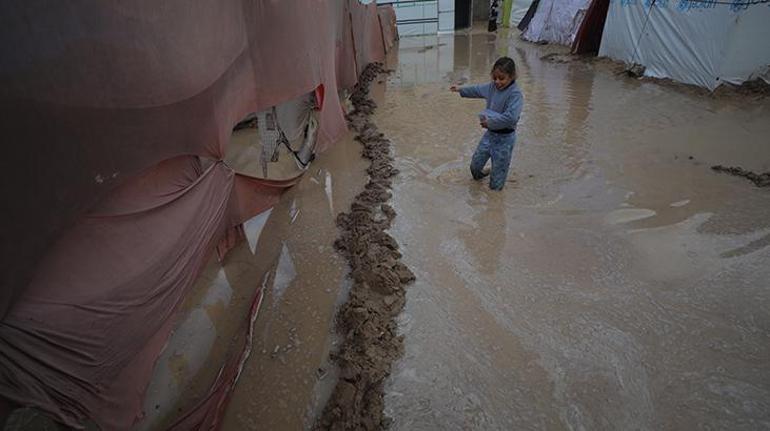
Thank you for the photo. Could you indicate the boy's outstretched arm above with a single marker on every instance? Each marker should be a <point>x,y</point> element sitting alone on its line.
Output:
<point>507,119</point>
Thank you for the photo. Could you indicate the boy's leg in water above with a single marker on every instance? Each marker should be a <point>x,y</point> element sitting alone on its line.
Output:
<point>480,157</point>
<point>501,150</point>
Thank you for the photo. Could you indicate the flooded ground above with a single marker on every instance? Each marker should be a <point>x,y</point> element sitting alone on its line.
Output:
<point>616,282</point>
<point>288,252</point>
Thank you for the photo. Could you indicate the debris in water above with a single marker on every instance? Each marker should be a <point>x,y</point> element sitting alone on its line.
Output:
<point>760,180</point>
<point>367,320</point>
<point>635,70</point>
<point>321,373</point>
<point>556,57</point>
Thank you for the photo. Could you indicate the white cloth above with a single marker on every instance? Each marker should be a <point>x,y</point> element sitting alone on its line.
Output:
<point>292,120</point>
<point>556,21</point>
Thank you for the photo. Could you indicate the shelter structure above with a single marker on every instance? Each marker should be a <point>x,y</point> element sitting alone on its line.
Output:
<point>705,43</point>
<point>119,116</point>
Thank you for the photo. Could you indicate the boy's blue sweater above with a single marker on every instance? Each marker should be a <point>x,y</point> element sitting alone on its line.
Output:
<point>503,106</point>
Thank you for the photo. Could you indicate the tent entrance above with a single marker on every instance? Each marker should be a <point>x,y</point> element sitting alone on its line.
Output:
<point>462,14</point>
<point>589,36</point>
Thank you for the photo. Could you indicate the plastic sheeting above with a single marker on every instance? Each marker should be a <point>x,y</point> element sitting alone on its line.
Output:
<point>556,21</point>
<point>518,10</point>
<point>699,43</point>
<point>117,116</point>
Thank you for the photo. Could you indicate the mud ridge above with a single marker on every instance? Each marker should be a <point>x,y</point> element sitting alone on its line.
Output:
<point>561,57</point>
<point>760,180</point>
<point>366,321</point>
<point>756,89</point>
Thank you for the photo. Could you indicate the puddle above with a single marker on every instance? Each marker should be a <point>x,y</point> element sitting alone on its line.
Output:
<point>288,252</point>
<point>532,309</point>
<point>587,295</point>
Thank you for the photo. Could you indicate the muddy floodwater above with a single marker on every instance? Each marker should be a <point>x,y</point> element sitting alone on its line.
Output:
<point>616,283</point>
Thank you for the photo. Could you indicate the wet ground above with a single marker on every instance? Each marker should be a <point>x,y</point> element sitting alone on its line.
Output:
<point>288,252</point>
<point>616,283</point>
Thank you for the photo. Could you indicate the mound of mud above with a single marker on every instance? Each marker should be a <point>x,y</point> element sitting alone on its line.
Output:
<point>367,320</point>
<point>756,88</point>
<point>760,180</point>
<point>566,57</point>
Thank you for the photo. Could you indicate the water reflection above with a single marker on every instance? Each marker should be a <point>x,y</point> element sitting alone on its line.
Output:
<point>490,223</point>
<point>580,296</point>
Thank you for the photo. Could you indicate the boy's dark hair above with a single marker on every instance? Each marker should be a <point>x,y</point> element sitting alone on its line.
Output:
<point>506,65</point>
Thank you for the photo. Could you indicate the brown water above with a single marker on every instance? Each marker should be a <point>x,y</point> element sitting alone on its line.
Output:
<point>616,282</point>
<point>288,251</point>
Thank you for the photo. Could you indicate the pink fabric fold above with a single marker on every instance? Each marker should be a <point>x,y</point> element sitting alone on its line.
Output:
<point>111,106</point>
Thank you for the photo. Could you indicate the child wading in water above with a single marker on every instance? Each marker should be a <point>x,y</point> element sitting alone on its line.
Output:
<point>504,103</point>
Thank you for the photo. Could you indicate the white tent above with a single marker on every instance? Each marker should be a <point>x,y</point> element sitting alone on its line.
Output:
<point>701,43</point>
<point>519,8</point>
<point>556,21</point>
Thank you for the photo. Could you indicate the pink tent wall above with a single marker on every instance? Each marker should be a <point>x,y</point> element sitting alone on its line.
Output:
<point>108,110</point>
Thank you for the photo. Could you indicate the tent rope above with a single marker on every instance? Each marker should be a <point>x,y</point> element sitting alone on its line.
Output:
<point>641,33</point>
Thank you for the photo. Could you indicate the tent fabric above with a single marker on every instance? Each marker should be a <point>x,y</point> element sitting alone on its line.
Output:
<point>368,45</point>
<point>519,8</point>
<point>589,35</point>
<point>99,93</point>
<point>119,115</point>
<point>556,21</point>
<point>524,23</point>
<point>389,27</point>
<point>99,295</point>
<point>704,44</point>
<point>208,412</point>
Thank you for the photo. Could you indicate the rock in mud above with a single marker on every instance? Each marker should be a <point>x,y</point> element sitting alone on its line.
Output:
<point>760,180</point>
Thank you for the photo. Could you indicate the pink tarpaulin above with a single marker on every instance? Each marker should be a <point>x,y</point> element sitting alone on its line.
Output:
<point>117,115</point>
<point>389,28</point>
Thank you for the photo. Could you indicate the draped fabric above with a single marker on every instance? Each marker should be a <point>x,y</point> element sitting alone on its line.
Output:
<point>116,117</point>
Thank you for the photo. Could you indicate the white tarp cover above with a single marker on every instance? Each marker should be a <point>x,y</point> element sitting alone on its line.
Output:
<point>556,21</point>
<point>701,43</point>
<point>518,10</point>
